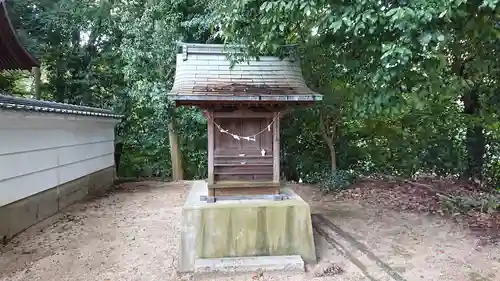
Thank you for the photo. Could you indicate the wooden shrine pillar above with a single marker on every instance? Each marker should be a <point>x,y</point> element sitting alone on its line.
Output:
<point>211,138</point>
<point>276,148</point>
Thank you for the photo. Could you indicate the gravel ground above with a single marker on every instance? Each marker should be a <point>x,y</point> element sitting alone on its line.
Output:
<point>133,234</point>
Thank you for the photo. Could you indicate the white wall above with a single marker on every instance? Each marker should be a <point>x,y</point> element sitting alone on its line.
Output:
<point>39,151</point>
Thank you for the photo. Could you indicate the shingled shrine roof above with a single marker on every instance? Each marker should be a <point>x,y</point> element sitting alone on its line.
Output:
<point>12,54</point>
<point>203,74</point>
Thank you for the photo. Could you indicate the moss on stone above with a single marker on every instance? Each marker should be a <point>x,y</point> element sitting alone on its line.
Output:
<point>255,229</point>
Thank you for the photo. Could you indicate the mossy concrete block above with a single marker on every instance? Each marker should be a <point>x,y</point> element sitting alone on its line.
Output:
<point>20,215</point>
<point>47,203</point>
<point>244,228</point>
<point>101,181</point>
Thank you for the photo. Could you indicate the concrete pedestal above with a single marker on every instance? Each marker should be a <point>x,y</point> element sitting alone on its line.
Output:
<point>244,228</point>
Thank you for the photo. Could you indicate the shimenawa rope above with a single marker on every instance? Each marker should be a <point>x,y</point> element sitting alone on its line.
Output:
<point>248,138</point>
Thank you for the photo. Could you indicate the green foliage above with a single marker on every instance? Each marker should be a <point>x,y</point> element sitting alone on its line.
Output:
<point>333,181</point>
<point>400,71</point>
<point>15,82</point>
<point>120,55</point>
<point>144,136</point>
<point>148,50</point>
<point>492,163</point>
<point>193,128</point>
<point>486,203</point>
<point>398,79</point>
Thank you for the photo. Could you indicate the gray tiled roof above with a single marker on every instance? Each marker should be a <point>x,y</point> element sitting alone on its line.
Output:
<point>16,103</point>
<point>203,74</point>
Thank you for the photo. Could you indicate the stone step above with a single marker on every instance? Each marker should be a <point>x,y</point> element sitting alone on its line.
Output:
<point>292,263</point>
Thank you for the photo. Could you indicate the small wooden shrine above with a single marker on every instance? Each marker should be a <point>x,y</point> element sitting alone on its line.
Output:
<point>243,106</point>
<point>12,54</point>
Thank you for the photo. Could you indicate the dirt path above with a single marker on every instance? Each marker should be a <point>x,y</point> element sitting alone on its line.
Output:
<point>133,234</point>
<point>129,235</point>
<point>389,245</point>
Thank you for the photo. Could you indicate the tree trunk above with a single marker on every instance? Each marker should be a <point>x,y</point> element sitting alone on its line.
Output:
<point>333,154</point>
<point>38,82</point>
<point>329,140</point>
<point>475,138</point>
<point>118,155</point>
<point>333,158</point>
<point>175,152</point>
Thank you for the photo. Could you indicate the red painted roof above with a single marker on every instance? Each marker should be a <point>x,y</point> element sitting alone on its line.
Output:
<point>12,54</point>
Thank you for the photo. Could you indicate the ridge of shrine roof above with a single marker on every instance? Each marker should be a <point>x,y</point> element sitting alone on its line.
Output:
<point>204,74</point>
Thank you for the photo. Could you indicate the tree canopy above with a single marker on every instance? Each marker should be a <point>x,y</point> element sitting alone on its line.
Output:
<point>410,87</point>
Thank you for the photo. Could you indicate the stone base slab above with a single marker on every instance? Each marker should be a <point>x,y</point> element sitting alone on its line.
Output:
<point>20,215</point>
<point>244,228</point>
<point>293,263</point>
